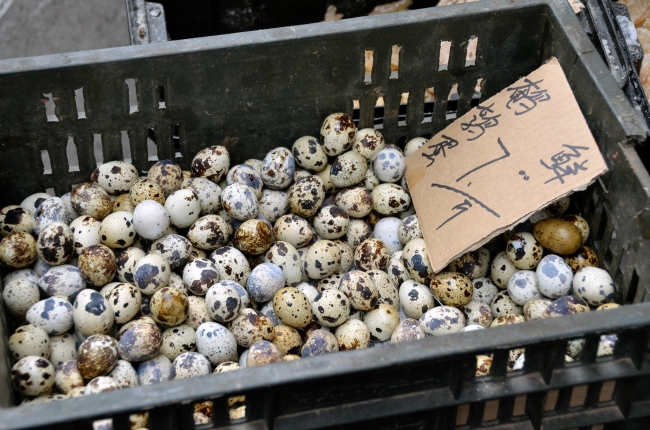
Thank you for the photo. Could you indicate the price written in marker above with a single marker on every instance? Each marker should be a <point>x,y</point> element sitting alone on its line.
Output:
<point>506,158</point>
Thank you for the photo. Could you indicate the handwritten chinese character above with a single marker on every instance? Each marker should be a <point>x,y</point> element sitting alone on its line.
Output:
<point>447,143</point>
<point>486,121</point>
<point>561,163</point>
<point>526,98</point>
<point>465,205</point>
<point>505,155</point>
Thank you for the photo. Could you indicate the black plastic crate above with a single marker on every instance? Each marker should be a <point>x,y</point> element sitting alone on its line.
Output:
<point>258,90</point>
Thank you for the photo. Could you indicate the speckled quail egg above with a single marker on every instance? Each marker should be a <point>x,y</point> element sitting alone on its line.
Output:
<point>62,348</point>
<point>211,163</point>
<point>309,154</point>
<point>183,208</point>
<point>524,251</point>
<point>174,248</point>
<point>177,340</point>
<point>558,236</point>
<point>319,342</point>
<point>389,165</point>
<point>246,175</point>
<point>102,384</point>
<point>331,222</point>
<point>502,269</point>
<point>390,199</point>
<point>352,334</point>
<point>330,308</point>
<point>85,231</point>
<point>267,310</point>
<point>263,352</point>
<point>292,307</point>
<point>407,330</point>
<point>117,230</point>
<point>53,315</point>
<point>535,309</point>
<point>522,287</point>
<point>30,340</point>
<point>442,320</point>
<point>19,295</point>
<point>98,265</point>
<point>409,229</point>
<point>608,306</point>
<point>566,305</point>
<point>223,301</point>
<point>308,290</point>
<point>337,133</point>
<point>199,275</point>
<point>559,206</point>
<point>416,261</point>
<point>123,203</point>
<point>239,201</point>
<point>33,375</point>
<point>90,199</point>
<point>155,370</point>
<point>231,264</point>
<point>167,174</point>
<point>251,326</point>
<point>33,201</point>
<point>306,196</point>
<point>125,374</point>
<point>126,262</point>
<point>169,306</point>
<point>580,223</point>
<point>347,256</point>
<point>360,289</point>
<point>294,230</point>
<point>197,253</point>
<point>507,320</point>
<point>151,274</point>
<point>477,313</point>
<point>371,254</point>
<point>387,291</point>
<point>381,322</point>
<point>68,377</point>
<point>396,270</point>
<point>22,273</point>
<point>16,218</point>
<point>368,142</point>
<point>484,290</point>
<point>370,181</point>
<point>473,264</point>
<point>150,220</point>
<point>107,289</point>
<point>452,288</point>
<point>253,237</point>
<point>287,339</point>
<point>326,177</point>
<point>300,174</point>
<point>190,365</point>
<point>264,281</point>
<point>115,177</point>
<point>415,298</point>
<point>554,277</point>
<point>356,202</point>
<point>348,169</point>
<point>285,256</point>
<point>322,259</point>
<point>273,204</point>
<point>278,168</point>
<point>97,356</point>
<point>18,250</point>
<point>144,189</point>
<point>208,192</point>
<point>502,305</point>
<point>41,267</point>
<point>583,257</point>
<point>55,244</point>
<point>52,210</point>
<point>594,285</point>
<point>209,232</point>
<point>606,345</point>
<point>331,282</point>
<point>216,343</point>
<point>139,340</point>
<point>125,299</point>
<point>92,313</point>
<point>413,145</point>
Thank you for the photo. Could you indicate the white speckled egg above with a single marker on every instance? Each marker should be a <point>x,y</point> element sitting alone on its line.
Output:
<point>554,277</point>
<point>178,340</point>
<point>115,177</point>
<point>216,342</point>
<point>62,348</point>
<point>484,290</point>
<point>503,305</point>
<point>211,163</point>
<point>155,370</point>
<point>352,334</point>
<point>536,309</point>
<point>360,289</point>
<point>16,218</point>
<point>477,313</point>
<point>199,275</point>
<point>368,142</point>
<point>319,342</point>
<point>522,287</point>
<point>388,292</point>
<point>251,326</point>
<point>416,299</point>
<point>53,315</point>
<point>593,285</point>
<point>309,154</point>
<point>89,199</point>
<point>348,169</point>
<point>122,203</point>
<point>208,192</point>
<point>150,220</point>
<point>55,244</point>
<point>68,377</point>
<point>246,175</point>
<point>209,232</point>
<point>331,222</point>
<point>370,181</point>
<point>396,271</point>
<point>273,204</point>
<point>32,202</point>
<point>174,248</point>
<point>126,263</point>
<point>332,281</point>
<point>125,374</point>
<point>416,261</point>
<point>442,320</point>
<point>502,269</point>
<point>278,168</point>
<point>337,133</point>
<point>390,199</point>
<point>33,375</point>
<point>167,174</point>
<point>387,230</point>
<point>285,256</point>
<point>264,281</point>
<point>356,202</point>
<point>294,230</point>
<point>52,210</point>
<point>231,264</point>
<point>22,273</point>
<point>381,322</point>
<point>239,201</point>
<point>101,384</point>
<point>308,290</point>
<point>306,196</point>
<point>330,308</point>
<point>64,280</point>
<point>29,340</point>
<point>409,229</point>
<point>413,145</point>
<point>389,165</point>
<point>125,299</point>
<point>183,208</point>
<point>19,295</point>
<point>190,365</point>
<point>326,177</point>
<point>223,301</point>
<point>117,230</point>
<point>40,267</point>
<point>85,231</point>
<point>407,330</point>
<point>524,251</point>
<point>322,260</point>
<point>151,274</point>
<point>92,313</point>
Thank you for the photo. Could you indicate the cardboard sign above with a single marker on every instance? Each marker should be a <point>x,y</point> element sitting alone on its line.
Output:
<point>505,159</point>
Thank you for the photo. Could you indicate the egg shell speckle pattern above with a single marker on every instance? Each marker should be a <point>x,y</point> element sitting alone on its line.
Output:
<point>415,298</point>
<point>88,199</point>
<point>522,287</point>
<point>53,210</point>
<point>117,230</point>
<point>264,281</point>
<point>442,320</point>
<point>115,177</point>
<point>390,199</point>
<point>263,352</point>
<point>337,133</point>
<point>502,304</point>
<point>97,356</point>
<point>155,370</point>
<point>98,265</point>
<point>177,340</point>
<point>348,169</point>
<point>319,342</point>
<point>484,290</point>
<point>216,343</point>
<point>125,374</point>
<point>64,280</point>
<point>554,277</point>
<point>322,259</point>
<point>473,264</point>
<point>125,299</point>
<point>19,295</point>
<point>190,365</point>
<point>452,289</point>
<point>169,306</point>
<point>417,262</point>
<point>330,308</point>
<point>253,237</point>
<point>92,313</point>
<point>55,244</point>
<point>286,257</point>
<point>381,322</point>
<point>477,313</point>
<point>407,330</point>
<point>566,305</point>
<point>278,168</point>
<point>292,307</point>
<point>502,269</point>
<point>151,274</point>
<point>251,326</point>
<point>360,289</point>
<point>199,275</point>
<point>368,142</point>
<point>223,301</point>
<point>294,230</point>
<point>231,264</point>
<point>524,251</point>
<point>29,340</point>
<point>593,285</point>
<point>306,196</point>
<point>139,340</point>
<point>183,208</point>
<point>53,315</point>
<point>33,375</point>
<point>16,218</point>
<point>309,154</point>
<point>167,174</point>
<point>389,165</point>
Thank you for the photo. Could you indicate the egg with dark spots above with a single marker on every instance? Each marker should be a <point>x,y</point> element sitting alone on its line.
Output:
<point>554,277</point>
<point>396,271</point>
<point>502,269</point>
<point>68,377</point>
<point>273,204</point>
<point>287,339</point>
<point>29,340</point>
<point>16,218</point>
<point>524,251</point>
<point>306,196</point>
<point>348,169</point>
<point>309,154</point>
<point>55,244</point>
<point>477,313</point>
<point>199,275</point>
<point>381,322</point>
<point>183,208</point>
<point>145,189</point>
<point>216,343</point>
<point>566,305</point>
<point>278,168</point>
<point>97,356</point>
<point>32,375</point>
<point>286,257</point>
<point>126,262</point>
<point>92,313</point>
<point>389,165</point>
<point>174,248</point>
<point>415,298</point>
<point>337,133</point>
<point>210,232</point>
<point>167,174</point>
<point>294,230</point>
<point>211,163</point>
<point>223,301</point>
<point>139,340</point>
<point>169,306</point>
<point>594,285</point>
<point>263,352</point>
<point>155,370</point>
<point>356,201</point>
<point>416,261</point>
<point>231,264</point>
<point>484,290</point>
<point>322,259</point>
<point>54,315</point>
<point>90,199</point>
<point>253,237</point>
<point>535,309</point>
<point>502,304</point>
<point>53,210</point>
<point>177,340</point>
<point>319,342</point>
<point>473,264</point>
<point>85,232</point>
<point>558,236</point>
<point>115,177</point>
<point>390,199</point>
<point>65,280</point>
<point>407,330</point>
<point>98,265</point>
<point>331,222</point>
<point>124,374</point>
<point>522,287</point>
<point>583,257</point>
<point>442,320</point>
<point>360,289</point>
<point>251,326</point>
<point>151,274</point>
<point>190,365</point>
<point>507,320</point>
<point>18,250</point>
<point>292,307</point>
<point>368,142</point>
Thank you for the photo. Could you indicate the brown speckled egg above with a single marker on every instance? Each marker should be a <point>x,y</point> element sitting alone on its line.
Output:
<point>452,288</point>
<point>167,174</point>
<point>125,299</point>
<point>360,289</point>
<point>231,264</point>
<point>319,342</point>
<point>330,308</point>
<point>55,244</point>
<point>29,340</point>
<point>356,202</point>
<point>199,275</point>
<point>115,177</point>
<point>566,305</point>
<point>102,384</point>
<point>253,237</point>
<point>91,199</point>
<point>583,257</point>
<point>388,292</point>
<point>407,330</point>
<point>18,250</point>
<point>337,133</point>
<point>322,259</point>
<point>558,236</point>
<point>390,199</point>
<point>371,254</point>
<point>198,312</point>
<point>117,230</point>
<point>294,230</point>
<point>209,232</point>
<point>139,340</point>
<point>381,322</point>
<point>309,154</point>
<point>123,203</point>
<point>306,196</point>
<point>352,334</point>
<point>483,365</point>
<point>97,356</point>
<point>33,375</point>
<point>287,339</point>
<point>68,377</point>
<point>507,319</point>
<point>502,304</point>
<point>416,261</point>
<point>331,222</point>
<point>98,265</point>
<point>473,264</point>
<point>251,326</point>
<point>608,306</point>
<point>169,306</point>
<point>368,142</point>
<point>524,251</point>
<point>502,269</point>
<point>348,169</point>
<point>151,274</point>
<point>174,248</point>
<point>14,219</point>
<point>559,206</point>
<point>292,307</point>
<point>211,163</point>
<point>535,309</point>
<point>144,189</point>
<point>477,313</point>
<point>263,352</point>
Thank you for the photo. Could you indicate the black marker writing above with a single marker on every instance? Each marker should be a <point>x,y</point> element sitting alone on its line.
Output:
<point>506,154</point>
<point>439,148</point>
<point>485,120</point>
<point>560,163</point>
<point>527,99</point>
<point>465,205</point>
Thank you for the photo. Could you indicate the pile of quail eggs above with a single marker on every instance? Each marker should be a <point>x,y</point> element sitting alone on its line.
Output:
<point>131,280</point>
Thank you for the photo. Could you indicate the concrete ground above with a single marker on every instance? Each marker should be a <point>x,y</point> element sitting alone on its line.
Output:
<point>39,27</point>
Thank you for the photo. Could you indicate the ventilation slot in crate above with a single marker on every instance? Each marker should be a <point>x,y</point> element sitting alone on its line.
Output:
<point>443,59</point>
<point>50,108</point>
<point>126,146</point>
<point>161,97</point>
<point>71,154</point>
<point>176,138</point>
<point>452,103</point>
<point>379,113</point>
<point>152,148</point>
<point>98,149</point>
<point>476,97</point>
<point>403,103</point>
<point>47,165</point>
<point>133,96</point>
<point>394,62</point>
<point>429,102</point>
<point>368,63</point>
<point>470,57</point>
<point>79,103</point>
<point>356,112</point>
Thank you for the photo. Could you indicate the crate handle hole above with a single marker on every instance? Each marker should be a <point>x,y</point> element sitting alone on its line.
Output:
<point>429,102</point>
<point>50,107</point>
<point>401,117</point>
<point>476,97</point>
<point>98,150</point>
<point>126,146</point>
<point>161,97</point>
<point>368,63</point>
<point>71,153</point>
<point>133,96</point>
<point>356,112</point>
<point>445,51</point>
<point>177,141</point>
<point>152,148</point>
<point>394,62</point>
<point>47,165</point>
<point>379,113</point>
<point>470,57</point>
<point>452,102</point>
<point>79,102</point>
